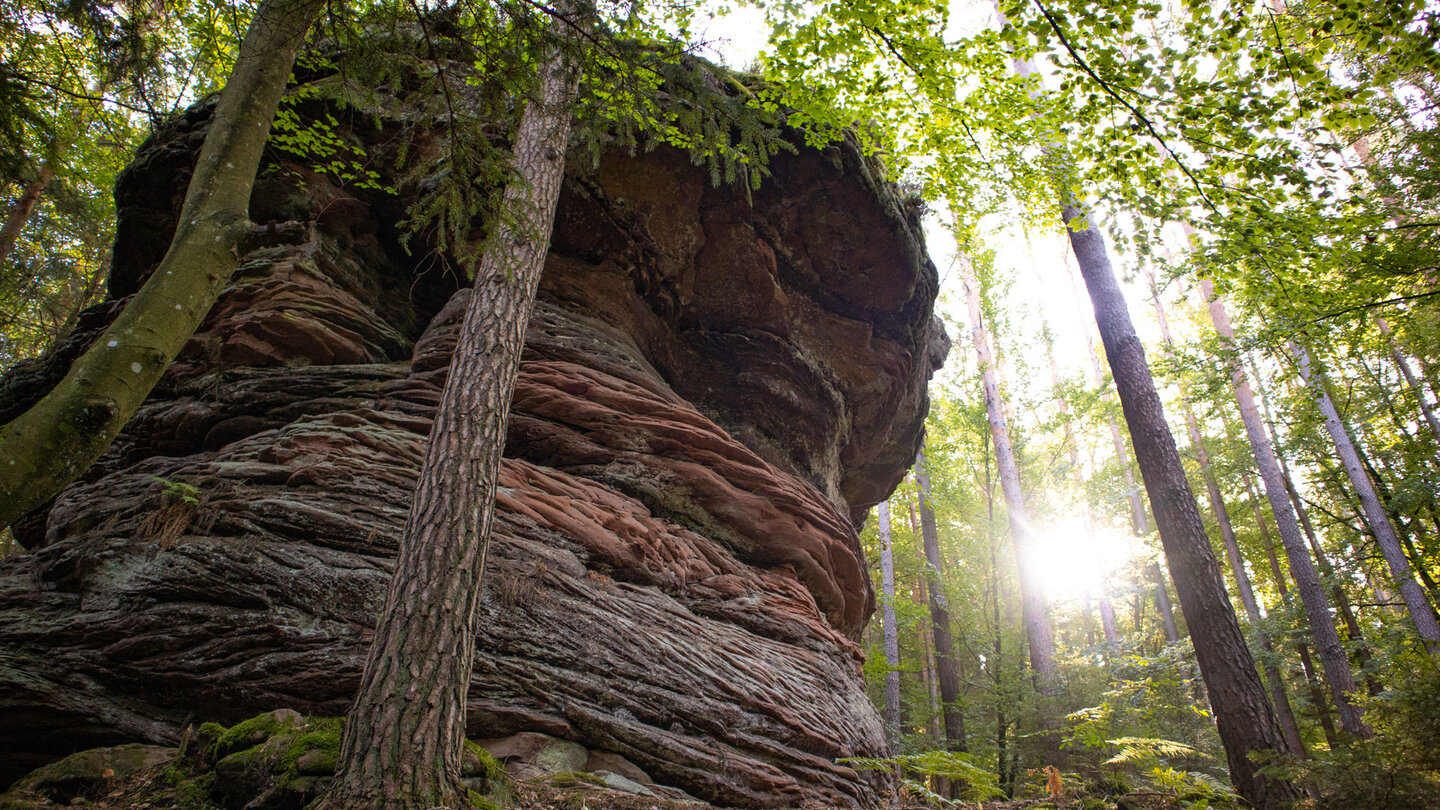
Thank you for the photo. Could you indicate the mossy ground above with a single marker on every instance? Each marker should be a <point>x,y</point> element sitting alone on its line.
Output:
<point>282,761</point>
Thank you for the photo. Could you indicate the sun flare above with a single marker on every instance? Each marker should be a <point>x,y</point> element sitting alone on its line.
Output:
<point>1072,561</point>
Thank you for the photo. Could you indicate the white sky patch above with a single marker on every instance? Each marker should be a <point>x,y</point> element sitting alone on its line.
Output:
<point>1072,563</point>
<point>735,38</point>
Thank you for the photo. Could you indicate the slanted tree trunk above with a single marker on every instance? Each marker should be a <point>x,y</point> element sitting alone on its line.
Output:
<point>1033,609</point>
<point>1327,571</point>
<point>1243,714</point>
<point>1307,581</point>
<point>1278,695</point>
<point>51,444</point>
<point>1404,365</point>
<point>403,738</point>
<point>1317,692</point>
<point>1373,510</point>
<point>20,211</point>
<point>945,670</point>
<point>892,633</point>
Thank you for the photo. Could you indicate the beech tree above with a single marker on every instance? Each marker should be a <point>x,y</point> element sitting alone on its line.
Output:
<point>1312,593</point>
<point>1038,628</point>
<point>891,630</point>
<point>52,443</point>
<point>946,673</point>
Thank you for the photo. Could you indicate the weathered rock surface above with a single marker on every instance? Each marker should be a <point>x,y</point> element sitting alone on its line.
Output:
<point>715,391</point>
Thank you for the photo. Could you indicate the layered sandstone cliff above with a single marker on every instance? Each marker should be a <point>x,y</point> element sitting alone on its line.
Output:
<point>716,389</point>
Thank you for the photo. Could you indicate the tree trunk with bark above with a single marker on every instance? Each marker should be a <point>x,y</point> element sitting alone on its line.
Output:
<point>1243,714</point>
<point>1312,593</point>
<point>20,212</point>
<point>403,738</point>
<point>1404,365</point>
<point>887,616</point>
<point>1034,611</point>
<point>46,448</point>
<point>945,670</point>
<point>1327,571</point>
<point>1416,605</point>
<point>1278,695</point>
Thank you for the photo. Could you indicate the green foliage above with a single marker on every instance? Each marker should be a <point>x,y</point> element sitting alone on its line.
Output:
<point>976,783</point>
<point>179,491</point>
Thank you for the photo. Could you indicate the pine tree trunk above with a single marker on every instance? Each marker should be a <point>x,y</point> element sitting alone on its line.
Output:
<point>51,444</point>
<point>1307,581</point>
<point>892,632</point>
<point>1033,609</point>
<point>1317,692</point>
<point>403,738</point>
<point>945,670</point>
<point>1244,716</point>
<point>1373,510</point>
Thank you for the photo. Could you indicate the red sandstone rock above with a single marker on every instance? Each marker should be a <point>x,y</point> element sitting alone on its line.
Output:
<point>714,392</point>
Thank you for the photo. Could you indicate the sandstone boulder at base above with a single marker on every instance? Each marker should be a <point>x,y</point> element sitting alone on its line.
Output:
<point>716,388</point>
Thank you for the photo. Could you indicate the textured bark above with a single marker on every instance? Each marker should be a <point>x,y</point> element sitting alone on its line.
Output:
<point>1278,695</point>
<point>887,615</point>
<point>1381,528</point>
<point>54,441</point>
<point>1035,613</point>
<point>946,672</point>
<point>403,737</point>
<point>1307,581</point>
<point>1243,714</point>
<point>20,212</point>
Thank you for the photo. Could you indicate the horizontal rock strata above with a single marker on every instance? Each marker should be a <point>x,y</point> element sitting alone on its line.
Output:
<point>716,389</point>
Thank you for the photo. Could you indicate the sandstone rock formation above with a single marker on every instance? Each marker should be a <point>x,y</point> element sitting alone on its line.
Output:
<point>716,389</point>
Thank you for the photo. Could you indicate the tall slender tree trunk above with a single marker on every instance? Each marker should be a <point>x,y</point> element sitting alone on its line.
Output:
<point>1107,621</point>
<point>1034,611</point>
<point>1403,364</point>
<point>21,210</point>
<point>945,670</point>
<point>927,638</point>
<point>1243,714</point>
<point>51,444</point>
<point>1307,581</point>
<point>1162,603</point>
<point>1317,691</point>
<point>1278,695</point>
<point>892,632</point>
<point>1373,510</point>
<point>1327,571</point>
<point>403,739</point>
